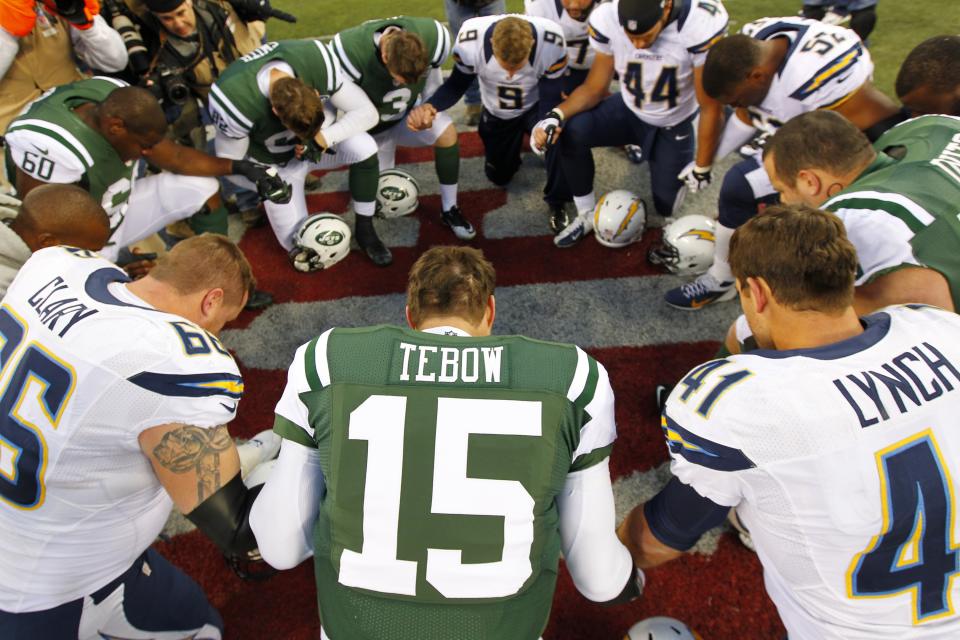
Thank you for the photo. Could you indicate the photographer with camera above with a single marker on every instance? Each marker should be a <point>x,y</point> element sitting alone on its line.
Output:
<point>40,43</point>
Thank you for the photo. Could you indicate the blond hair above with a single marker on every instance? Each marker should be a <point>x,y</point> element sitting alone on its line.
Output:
<point>450,281</point>
<point>512,40</point>
<point>207,261</point>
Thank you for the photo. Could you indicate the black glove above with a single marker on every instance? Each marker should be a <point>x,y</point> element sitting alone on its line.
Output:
<point>270,186</point>
<point>251,10</point>
<point>312,152</point>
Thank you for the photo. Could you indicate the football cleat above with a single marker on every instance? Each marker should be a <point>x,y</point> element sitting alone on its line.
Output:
<point>322,241</point>
<point>661,628</point>
<point>560,217</point>
<point>460,226</point>
<point>634,153</point>
<point>697,294</point>
<point>687,246</point>
<point>619,219</point>
<point>575,231</point>
<point>398,194</point>
<point>371,243</point>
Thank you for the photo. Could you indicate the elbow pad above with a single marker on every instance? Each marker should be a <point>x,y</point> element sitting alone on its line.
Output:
<point>225,517</point>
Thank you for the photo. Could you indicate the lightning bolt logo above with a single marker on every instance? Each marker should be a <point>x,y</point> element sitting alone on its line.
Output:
<point>703,234</point>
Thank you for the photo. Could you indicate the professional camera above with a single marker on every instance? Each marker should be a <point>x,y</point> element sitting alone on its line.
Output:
<point>168,85</point>
<point>122,24</point>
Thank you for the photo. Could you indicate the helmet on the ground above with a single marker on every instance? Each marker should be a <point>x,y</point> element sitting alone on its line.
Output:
<point>397,194</point>
<point>661,628</point>
<point>322,241</point>
<point>687,246</point>
<point>619,219</point>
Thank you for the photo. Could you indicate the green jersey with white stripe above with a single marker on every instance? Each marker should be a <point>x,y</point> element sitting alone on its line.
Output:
<point>903,209</point>
<point>51,143</point>
<point>358,51</point>
<point>240,104</point>
<point>443,455</point>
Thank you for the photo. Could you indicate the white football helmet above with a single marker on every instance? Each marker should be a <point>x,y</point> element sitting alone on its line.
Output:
<point>687,246</point>
<point>619,219</point>
<point>661,628</point>
<point>322,241</point>
<point>397,194</point>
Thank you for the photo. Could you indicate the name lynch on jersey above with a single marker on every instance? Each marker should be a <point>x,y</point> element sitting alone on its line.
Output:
<point>901,381</point>
<point>51,306</point>
<point>429,363</point>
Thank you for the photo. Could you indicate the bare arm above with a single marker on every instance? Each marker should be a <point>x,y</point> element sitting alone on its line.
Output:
<point>711,122</point>
<point>867,106</point>
<point>176,158</point>
<point>192,463</point>
<point>593,89</point>
<point>909,284</point>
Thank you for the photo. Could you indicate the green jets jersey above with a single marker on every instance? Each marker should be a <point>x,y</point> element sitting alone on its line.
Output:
<point>358,51</point>
<point>443,456</point>
<point>51,143</point>
<point>902,211</point>
<point>241,108</point>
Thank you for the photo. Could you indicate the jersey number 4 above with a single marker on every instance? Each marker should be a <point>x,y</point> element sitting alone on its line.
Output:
<point>915,552</point>
<point>32,402</point>
<point>380,421</point>
<point>665,89</point>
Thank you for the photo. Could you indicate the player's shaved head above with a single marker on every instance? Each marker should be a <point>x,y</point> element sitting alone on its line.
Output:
<point>512,40</point>
<point>929,79</point>
<point>729,64</point>
<point>450,281</point>
<point>137,108</point>
<point>55,214</point>
<point>204,262</point>
<point>802,253</point>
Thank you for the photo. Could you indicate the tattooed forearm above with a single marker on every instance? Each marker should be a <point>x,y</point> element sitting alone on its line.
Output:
<point>195,449</point>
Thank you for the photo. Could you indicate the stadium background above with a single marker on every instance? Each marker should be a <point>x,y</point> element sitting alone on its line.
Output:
<point>607,301</point>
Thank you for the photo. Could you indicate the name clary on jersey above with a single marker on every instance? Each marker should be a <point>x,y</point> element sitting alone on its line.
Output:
<point>901,379</point>
<point>54,301</point>
<point>430,363</point>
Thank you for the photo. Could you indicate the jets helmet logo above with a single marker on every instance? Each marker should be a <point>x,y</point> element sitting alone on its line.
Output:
<point>393,193</point>
<point>329,238</point>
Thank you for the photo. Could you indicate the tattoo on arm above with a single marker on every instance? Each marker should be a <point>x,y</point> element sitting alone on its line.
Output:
<point>195,449</point>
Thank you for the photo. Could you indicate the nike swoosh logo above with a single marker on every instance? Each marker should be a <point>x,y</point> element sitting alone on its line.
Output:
<point>230,408</point>
<point>43,151</point>
<point>683,137</point>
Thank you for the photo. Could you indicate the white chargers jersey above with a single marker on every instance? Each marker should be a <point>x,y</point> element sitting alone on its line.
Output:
<point>87,367</point>
<point>844,463</point>
<point>509,97</point>
<point>824,66</point>
<point>657,83</point>
<point>579,52</point>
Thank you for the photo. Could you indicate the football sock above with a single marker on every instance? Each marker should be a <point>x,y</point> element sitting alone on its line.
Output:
<point>585,203</point>
<point>448,196</point>
<point>720,269</point>
<point>447,163</point>
<point>206,221</point>
<point>363,180</point>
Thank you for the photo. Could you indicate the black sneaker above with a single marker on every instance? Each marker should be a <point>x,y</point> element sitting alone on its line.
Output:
<point>560,217</point>
<point>370,242</point>
<point>258,300</point>
<point>460,226</point>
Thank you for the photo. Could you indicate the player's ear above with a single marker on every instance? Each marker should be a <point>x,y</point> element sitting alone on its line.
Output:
<point>491,312</point>
<point>808,182</point>
<point>409,317</point>
<point>44,240</point>
<point>211,302</point>
<point>757,292</point>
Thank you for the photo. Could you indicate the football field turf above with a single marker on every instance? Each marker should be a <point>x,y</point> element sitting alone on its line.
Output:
<point>607,301</point>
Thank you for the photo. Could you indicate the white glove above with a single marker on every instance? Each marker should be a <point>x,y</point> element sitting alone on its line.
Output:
<point>696,178</point>
<point>550,125</point>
